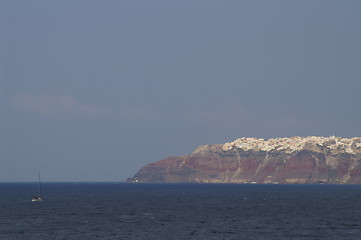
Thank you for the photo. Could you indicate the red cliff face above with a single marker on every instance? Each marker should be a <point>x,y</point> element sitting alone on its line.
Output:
<point>251,160</point>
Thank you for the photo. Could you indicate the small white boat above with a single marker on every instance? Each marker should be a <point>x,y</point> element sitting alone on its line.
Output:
<point>38,198</point>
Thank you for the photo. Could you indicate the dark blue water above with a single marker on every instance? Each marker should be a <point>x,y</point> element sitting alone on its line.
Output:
<point>180,211</point>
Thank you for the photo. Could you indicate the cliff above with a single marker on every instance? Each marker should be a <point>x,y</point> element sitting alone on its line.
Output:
<point>253,160</point>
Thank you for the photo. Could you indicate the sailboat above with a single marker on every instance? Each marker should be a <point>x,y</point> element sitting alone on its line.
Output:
<point>38,198</point>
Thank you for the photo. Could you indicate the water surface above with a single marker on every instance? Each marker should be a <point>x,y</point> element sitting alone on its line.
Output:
<point>180,211</point>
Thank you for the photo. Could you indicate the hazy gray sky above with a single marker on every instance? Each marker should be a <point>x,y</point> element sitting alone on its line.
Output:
<point>93,90</point>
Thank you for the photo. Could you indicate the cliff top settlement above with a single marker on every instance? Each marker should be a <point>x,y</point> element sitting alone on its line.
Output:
<point>293,144</point>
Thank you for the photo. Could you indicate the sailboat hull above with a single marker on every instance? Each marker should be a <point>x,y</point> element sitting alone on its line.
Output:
<point>37,199</point>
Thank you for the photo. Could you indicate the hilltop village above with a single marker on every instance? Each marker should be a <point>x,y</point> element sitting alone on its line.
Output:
<point>292,144</point>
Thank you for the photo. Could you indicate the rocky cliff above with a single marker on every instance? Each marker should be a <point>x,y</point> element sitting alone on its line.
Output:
<point>253,160</point>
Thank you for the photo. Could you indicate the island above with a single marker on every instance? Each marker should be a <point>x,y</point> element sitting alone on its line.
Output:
<point>291,160</point>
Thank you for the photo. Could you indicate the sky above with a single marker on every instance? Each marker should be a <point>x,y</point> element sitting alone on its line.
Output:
<point>94,90</point>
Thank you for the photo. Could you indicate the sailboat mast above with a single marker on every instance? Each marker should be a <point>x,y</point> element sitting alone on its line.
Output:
<point>40,186</point>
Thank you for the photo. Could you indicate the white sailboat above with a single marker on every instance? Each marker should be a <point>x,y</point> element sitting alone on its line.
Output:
<point>38,198</point>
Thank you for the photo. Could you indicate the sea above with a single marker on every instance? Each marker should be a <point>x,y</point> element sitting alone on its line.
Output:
<point>180,211</point>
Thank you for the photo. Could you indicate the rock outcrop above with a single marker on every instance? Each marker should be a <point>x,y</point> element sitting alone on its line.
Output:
<point>252,160</point>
